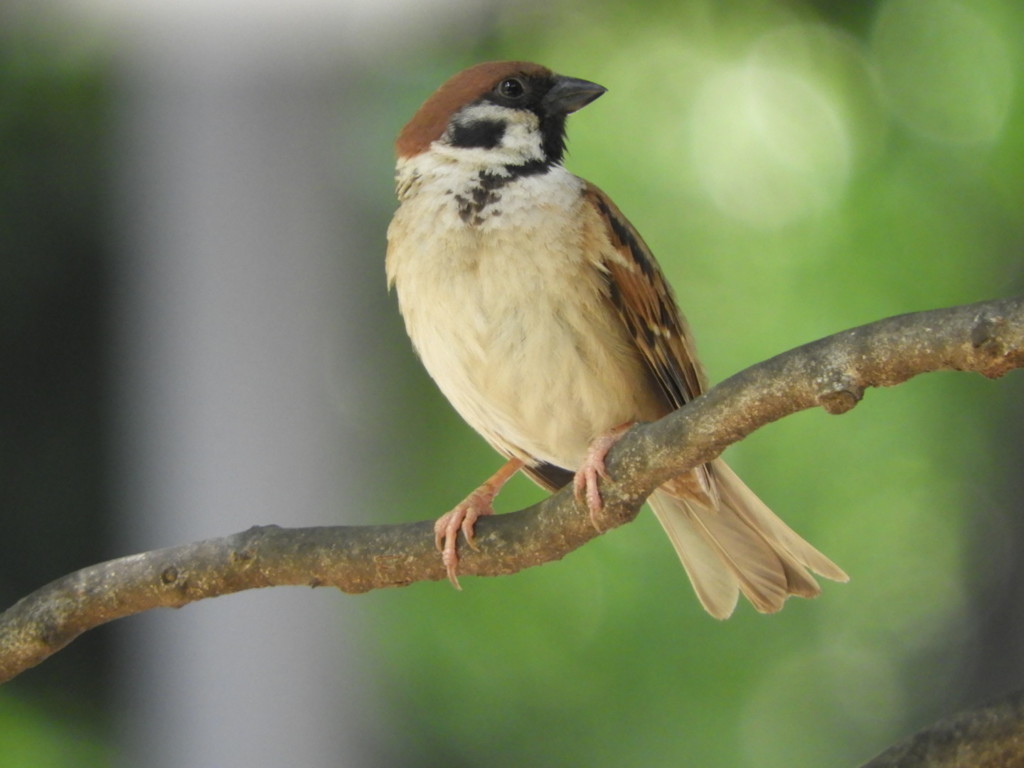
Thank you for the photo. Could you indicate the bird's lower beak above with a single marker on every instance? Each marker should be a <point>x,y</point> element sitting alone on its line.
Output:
<point>569,94</point>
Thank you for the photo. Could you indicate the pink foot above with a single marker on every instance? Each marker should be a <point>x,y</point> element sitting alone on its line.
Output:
<point>586,484</point>
<point>464,516</point>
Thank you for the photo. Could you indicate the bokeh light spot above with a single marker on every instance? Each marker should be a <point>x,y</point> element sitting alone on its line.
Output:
<point>769,145</point>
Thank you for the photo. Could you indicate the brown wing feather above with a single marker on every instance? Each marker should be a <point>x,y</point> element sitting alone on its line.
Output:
<point>647,306</point>
<point>727,539</point>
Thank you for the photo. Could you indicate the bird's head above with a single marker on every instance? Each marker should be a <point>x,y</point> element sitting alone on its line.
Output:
<point>512,112</point>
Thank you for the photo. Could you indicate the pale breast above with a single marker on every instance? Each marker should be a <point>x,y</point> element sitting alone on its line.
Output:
<point>533,357</point>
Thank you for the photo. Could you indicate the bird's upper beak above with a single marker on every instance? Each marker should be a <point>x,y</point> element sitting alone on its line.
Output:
<point>569,94</point>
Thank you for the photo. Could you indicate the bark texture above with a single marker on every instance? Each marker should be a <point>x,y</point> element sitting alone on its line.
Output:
<point>832,373</point>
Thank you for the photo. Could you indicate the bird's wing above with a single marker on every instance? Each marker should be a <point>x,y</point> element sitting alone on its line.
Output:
<point>644,300</point>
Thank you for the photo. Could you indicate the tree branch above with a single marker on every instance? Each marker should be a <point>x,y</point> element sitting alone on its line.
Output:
<point>832,373</point>
<point>991,736</point>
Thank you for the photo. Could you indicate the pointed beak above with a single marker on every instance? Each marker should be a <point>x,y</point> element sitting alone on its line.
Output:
<point>569,94</point>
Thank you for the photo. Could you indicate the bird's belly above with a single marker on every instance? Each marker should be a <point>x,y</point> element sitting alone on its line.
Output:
<point>535,360</point>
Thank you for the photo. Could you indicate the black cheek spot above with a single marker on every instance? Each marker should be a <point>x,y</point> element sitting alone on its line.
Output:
<point>484,134</point>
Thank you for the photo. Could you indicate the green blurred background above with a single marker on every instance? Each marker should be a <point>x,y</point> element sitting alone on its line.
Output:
<point>798,168</point>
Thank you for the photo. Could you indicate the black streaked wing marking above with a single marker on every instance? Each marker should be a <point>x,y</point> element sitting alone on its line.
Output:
<point>644,300</point>
<point>549,476</point>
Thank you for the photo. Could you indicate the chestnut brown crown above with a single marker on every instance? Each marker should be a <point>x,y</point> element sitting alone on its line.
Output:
<point>469,85</point>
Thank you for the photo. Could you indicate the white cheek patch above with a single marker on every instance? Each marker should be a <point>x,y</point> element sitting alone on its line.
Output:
<point>520,143</point>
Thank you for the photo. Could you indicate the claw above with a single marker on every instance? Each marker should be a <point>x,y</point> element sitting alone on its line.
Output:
<point>464,516</point>
<point>587,481</point>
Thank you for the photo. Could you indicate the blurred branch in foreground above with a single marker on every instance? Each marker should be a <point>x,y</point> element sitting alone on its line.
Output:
<point>833,373</point>
<point>991,736</point>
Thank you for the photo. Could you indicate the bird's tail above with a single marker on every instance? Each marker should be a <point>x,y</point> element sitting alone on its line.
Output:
<point>738,545</point>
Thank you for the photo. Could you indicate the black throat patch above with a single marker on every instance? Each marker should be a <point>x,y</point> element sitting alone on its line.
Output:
<point>482,200</point>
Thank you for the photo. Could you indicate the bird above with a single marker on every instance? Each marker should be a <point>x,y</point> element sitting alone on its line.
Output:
<point>541,314</point>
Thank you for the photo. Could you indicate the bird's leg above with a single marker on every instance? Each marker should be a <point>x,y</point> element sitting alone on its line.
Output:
<point>586,483</point>
<point>464,516</point>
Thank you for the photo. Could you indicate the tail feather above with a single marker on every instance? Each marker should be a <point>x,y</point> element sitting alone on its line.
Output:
<point>715,584</point>
<point>740,546</point>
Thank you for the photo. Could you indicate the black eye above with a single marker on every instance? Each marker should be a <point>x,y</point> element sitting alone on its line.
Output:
<point>511,88</point>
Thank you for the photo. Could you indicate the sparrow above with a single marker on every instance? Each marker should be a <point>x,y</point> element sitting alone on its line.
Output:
<point>543,317</point>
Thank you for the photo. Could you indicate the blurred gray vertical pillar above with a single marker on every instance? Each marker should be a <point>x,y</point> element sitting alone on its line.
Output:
<point>232,307</point>
<point>234,311</point>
